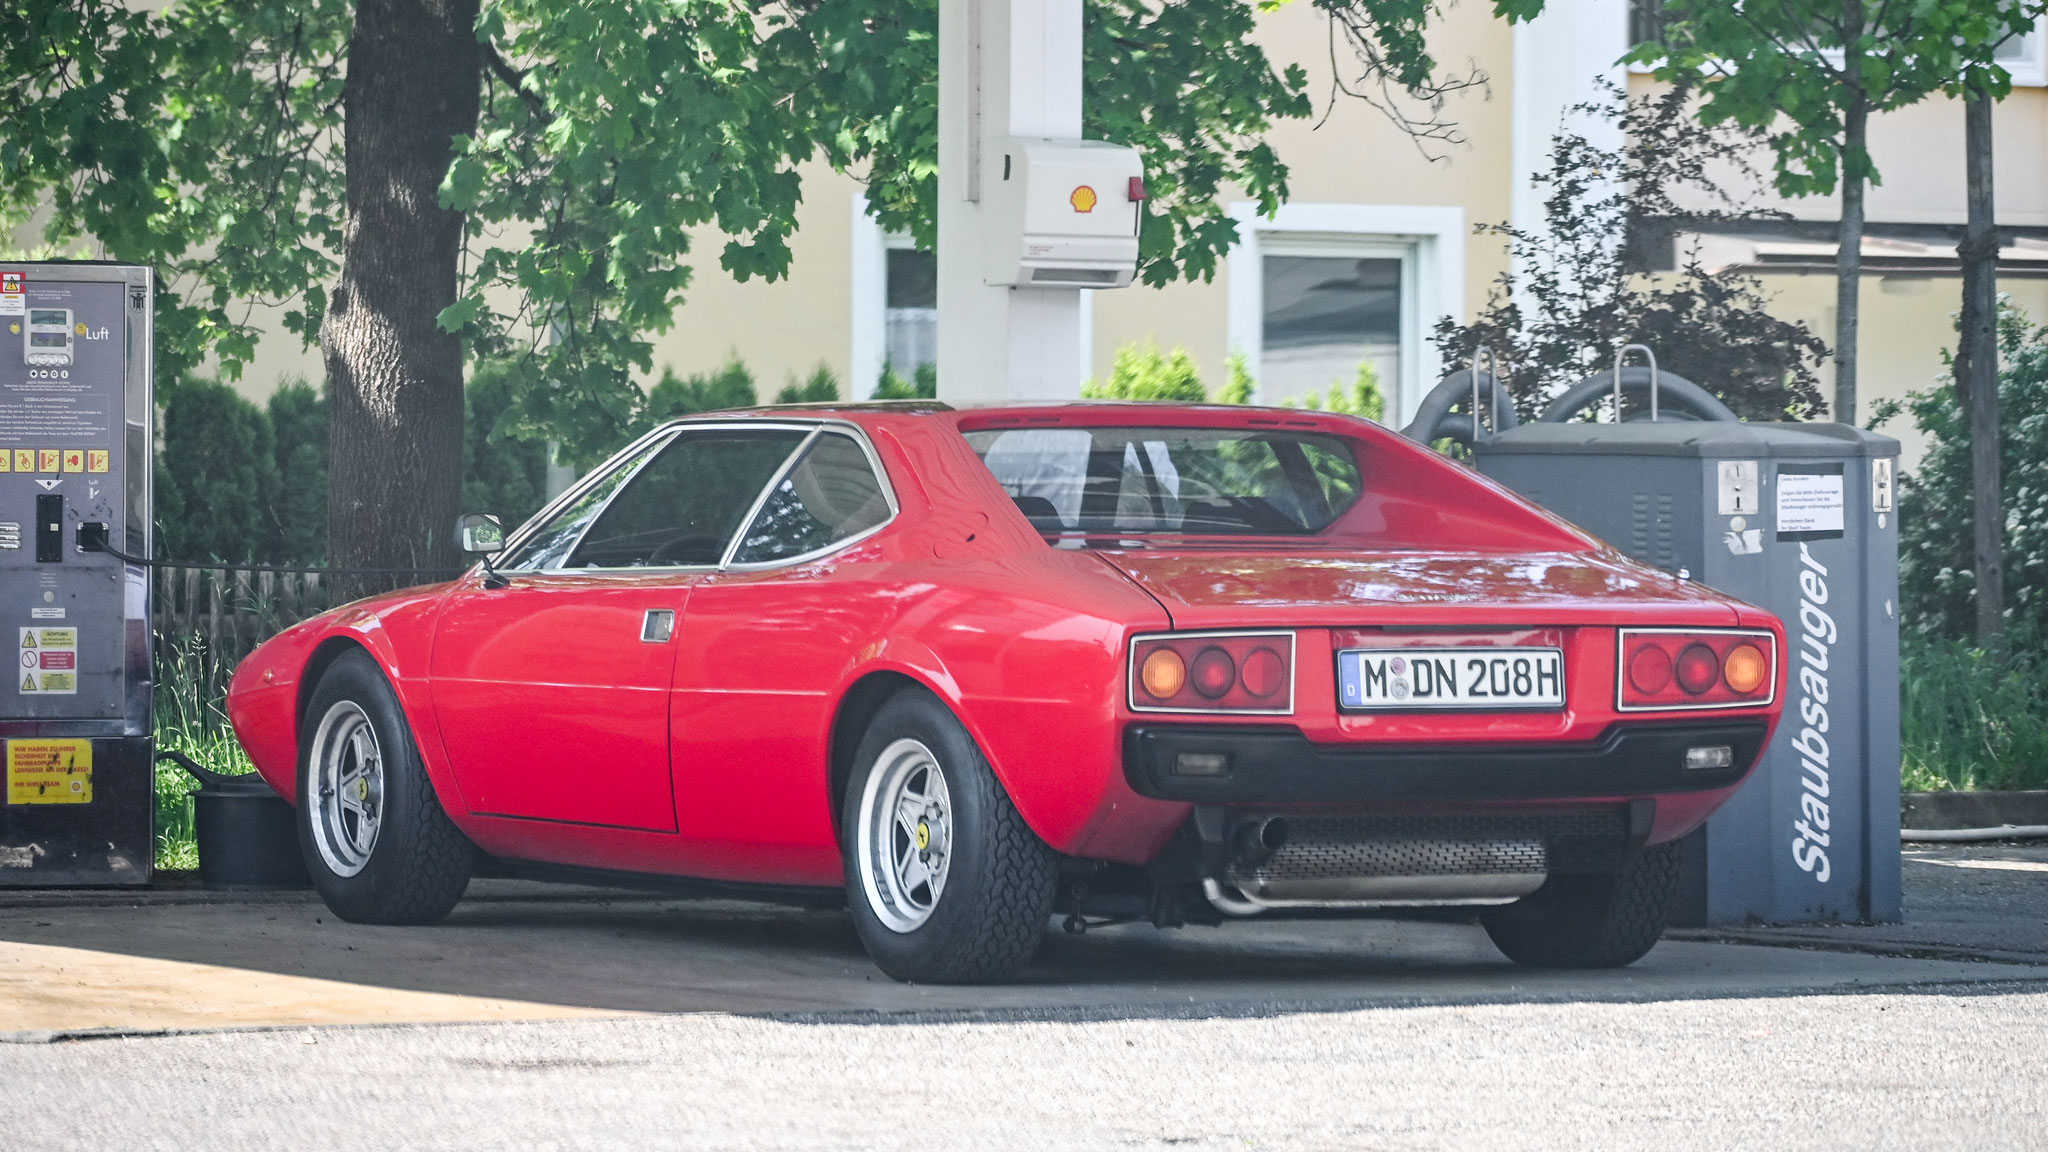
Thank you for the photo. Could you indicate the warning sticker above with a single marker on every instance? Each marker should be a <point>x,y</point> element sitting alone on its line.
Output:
<point>49,661</point>
<point>49,771</point>
<point>13,301</point>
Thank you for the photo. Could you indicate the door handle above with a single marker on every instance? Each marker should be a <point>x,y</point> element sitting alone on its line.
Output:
<point>658,626</point>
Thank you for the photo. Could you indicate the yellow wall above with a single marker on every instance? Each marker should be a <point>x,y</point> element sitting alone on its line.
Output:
<point>1905,326</point>
<point>1354,154</point>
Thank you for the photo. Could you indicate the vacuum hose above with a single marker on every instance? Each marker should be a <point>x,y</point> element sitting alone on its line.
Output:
<point>1435,421</point>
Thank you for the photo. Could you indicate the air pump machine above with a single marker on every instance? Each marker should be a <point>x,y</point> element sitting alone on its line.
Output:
<point>75,467</point>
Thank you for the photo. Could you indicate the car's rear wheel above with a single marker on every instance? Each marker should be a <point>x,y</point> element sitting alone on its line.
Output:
<point>376,841</point>
<point>946,881</point>
<point>1591,921</point>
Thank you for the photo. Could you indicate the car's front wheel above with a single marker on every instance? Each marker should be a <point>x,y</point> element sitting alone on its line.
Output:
<point>1591,921</point>
<point>946,881</point>
<point>375,839</point>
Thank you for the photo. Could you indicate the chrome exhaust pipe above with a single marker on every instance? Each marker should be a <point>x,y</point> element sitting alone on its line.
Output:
<point>1254,841</point>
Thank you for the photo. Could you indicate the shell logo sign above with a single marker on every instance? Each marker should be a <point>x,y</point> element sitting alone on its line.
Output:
<point>1083,199</point>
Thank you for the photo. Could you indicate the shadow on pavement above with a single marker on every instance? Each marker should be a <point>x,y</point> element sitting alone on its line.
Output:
<point>517,943</point>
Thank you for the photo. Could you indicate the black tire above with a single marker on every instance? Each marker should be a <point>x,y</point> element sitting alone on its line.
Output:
<point>419,863</point>
<point>1599,921</point>
<point>991,912</point>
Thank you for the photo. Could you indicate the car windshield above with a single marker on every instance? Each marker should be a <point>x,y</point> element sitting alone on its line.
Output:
<point>1197,481</point>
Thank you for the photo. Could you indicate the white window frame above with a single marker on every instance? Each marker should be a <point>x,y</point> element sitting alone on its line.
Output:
<point>1429,239</point>
<point>869,294</point>
<point>868,297</point>
<point>2030,68</point>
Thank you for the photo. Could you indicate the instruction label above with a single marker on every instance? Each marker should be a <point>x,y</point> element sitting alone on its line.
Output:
<point>49,771</point>
<point>61,412</point>
<point>49,661</point>
<point>1810,502</point>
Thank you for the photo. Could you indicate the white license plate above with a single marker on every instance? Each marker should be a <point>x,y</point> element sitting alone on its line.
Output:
<point>1472,679</point>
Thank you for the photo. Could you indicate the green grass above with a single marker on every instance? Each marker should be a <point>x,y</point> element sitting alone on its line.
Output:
<point>190,718</point>
<point>1970,719</point>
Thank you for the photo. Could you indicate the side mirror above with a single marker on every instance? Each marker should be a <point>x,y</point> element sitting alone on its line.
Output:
<point>480,532</point>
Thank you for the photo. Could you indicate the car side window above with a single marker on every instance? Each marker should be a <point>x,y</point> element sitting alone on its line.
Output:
<point>547,547</point>
<point>683,507</point>
<point>831,495</point>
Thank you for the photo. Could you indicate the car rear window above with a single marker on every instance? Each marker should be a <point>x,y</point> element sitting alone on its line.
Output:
<point>1196,481</point>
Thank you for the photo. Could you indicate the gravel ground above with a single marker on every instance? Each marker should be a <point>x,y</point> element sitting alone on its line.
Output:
<point>1915,1070</point>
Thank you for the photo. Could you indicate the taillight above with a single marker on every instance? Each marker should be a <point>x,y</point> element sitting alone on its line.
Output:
<point>1249,672</point>
<point>1681,668</point>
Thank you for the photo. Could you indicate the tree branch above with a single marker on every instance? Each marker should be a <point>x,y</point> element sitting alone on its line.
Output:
<point>514,79</point>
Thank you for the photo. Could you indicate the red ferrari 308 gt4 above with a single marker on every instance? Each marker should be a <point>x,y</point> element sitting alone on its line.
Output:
<point>979,668</point>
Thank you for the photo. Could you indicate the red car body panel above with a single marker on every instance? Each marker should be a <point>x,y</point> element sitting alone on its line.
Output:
<point>562,655</point>
<point>553,734</point>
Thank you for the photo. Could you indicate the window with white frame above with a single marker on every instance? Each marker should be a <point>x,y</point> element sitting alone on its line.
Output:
<point>910,318</point>
<point>895,304</point>
<point>2023,59</point>
<point>1327,306</point>
<point>1319,290</point>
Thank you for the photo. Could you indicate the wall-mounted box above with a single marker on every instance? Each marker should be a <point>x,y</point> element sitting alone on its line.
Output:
<point>1062,214</point>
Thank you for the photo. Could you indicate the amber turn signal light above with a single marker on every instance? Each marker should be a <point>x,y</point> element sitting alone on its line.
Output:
<point>1745,668</point>
<point>1163,674</point>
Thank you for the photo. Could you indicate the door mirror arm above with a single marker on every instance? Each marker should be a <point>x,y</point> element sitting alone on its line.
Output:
<point>482,536</point>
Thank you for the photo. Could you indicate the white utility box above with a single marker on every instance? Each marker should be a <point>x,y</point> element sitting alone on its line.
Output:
<point>1061,213</point>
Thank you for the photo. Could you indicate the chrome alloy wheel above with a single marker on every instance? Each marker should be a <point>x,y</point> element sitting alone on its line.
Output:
<point>347,781</point>
<point>905,835</point>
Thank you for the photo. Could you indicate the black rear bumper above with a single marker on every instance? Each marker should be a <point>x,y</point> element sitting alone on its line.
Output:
<point>1278,765</point>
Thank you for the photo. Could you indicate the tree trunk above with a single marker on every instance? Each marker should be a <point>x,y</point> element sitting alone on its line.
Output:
<point>1849,257</point>
<point>1977,365</point>
<point>395,459</point>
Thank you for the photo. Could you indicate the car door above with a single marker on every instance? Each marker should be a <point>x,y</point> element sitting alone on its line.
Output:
<point>551,682</point>
<point>765,644</point>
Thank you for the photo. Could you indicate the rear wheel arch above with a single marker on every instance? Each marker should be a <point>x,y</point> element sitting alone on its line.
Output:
<point>857,708</point>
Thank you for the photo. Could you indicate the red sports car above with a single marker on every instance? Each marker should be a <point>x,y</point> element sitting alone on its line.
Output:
<point>979,668</point>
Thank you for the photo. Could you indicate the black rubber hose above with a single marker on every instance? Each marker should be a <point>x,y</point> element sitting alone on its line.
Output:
<point>1435,421</point>
<point>1685,399</point>
<point>205,776</point>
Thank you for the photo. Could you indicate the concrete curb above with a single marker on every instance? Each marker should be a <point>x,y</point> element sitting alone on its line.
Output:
<point>1937,811</point>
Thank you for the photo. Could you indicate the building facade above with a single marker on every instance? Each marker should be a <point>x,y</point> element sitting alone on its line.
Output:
<point>1377,241</point>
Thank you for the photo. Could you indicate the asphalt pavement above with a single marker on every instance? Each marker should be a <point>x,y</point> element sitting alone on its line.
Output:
<point>612,1019</point>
